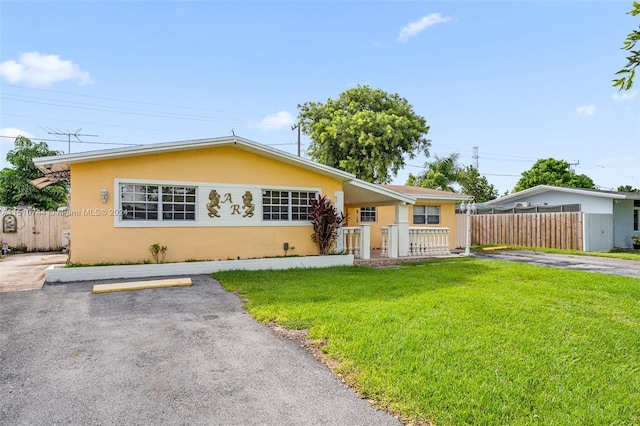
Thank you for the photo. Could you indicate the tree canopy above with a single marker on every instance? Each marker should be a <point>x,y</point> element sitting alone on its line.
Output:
<point>627,74</point>
<point>15,189</point>
<point>552,172</point>
<point>444,172</point>
<point>367,132</point>
<point>627,188</point>
<point>441,173</point>
<point>474,184</point>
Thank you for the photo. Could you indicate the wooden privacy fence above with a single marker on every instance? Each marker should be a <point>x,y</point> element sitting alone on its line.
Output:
<point>551,230</point>
<point>35,230</point>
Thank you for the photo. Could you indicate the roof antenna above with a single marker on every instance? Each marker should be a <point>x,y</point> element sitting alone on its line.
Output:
<point>233,133</point>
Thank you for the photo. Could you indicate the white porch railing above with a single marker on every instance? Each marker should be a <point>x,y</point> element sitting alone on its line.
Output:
<point>384,244</point>
<point>428,241</point>
<point>356,240</point>
<point>351,238</point>
<point>422,241</point>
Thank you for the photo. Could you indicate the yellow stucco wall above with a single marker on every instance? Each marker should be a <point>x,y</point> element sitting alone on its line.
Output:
<point>386,216</point>
<point>95,238</point>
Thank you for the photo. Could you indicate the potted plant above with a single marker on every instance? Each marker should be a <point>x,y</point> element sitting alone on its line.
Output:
<point>636,241</point>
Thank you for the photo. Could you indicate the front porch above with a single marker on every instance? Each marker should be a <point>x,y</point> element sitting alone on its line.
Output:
<point>376,260</point>
<point>398,244</point>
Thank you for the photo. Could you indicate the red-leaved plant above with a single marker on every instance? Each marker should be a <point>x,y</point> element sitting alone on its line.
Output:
<point>326,223</point>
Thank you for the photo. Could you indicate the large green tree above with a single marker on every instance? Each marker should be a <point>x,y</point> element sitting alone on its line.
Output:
<point>15,189</point>
<point>627,74</point>
<point>441,173</point>
<point>552,172</point>
<point>367,132</point>
<point>474,184</point>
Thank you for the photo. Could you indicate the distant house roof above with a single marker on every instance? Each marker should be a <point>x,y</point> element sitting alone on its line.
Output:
<point>427,193</point>
<point>541,189</point>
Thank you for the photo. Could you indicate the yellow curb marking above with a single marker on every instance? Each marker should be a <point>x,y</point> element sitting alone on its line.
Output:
<point>495,248</point>
<point>140,285</point>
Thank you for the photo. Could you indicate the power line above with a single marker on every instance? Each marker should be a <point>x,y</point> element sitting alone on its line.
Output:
<point>83,122</point>
<point>118,143</point>
<point>131,111</point>
<point>120,100</point>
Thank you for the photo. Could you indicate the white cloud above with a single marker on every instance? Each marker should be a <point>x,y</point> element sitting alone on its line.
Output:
<point>37,69</point>
<point>415,27</point>
<point>625,96</point>
<point>277,121</point>
<point>586,110</point>
<point>8,134</point>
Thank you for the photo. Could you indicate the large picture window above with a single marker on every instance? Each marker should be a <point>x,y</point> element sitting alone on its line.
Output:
<point>157,202</point>
<point>426,215</point>
<point>286,205</point>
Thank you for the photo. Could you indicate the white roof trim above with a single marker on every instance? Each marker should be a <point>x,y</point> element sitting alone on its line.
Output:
<point>382,191</point>
<point>82,157</point>
<point>454,197</point>
<point>540,189</point>
<point>62,162</point>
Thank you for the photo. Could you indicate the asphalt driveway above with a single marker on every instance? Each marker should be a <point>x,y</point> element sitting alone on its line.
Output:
<point>602,265</point>
<point>176,356</point>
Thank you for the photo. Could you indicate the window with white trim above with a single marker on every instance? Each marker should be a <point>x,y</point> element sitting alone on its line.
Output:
<point>286,205</point>
<point>636,215</point>
<point>157,202</point>
<point>426,215</point>
<point>368,214</point>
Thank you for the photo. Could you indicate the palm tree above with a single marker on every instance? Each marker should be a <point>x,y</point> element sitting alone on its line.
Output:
<point>441,173</point>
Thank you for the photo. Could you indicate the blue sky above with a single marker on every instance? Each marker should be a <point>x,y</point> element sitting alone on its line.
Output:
<point>520,80</point>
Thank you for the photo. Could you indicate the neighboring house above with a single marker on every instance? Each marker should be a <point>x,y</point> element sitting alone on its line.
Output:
<point>611,216</point>
<point>226,198</point>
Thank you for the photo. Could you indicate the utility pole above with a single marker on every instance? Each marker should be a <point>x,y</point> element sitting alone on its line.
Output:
<point>297,126</point>
<point>69,134</point>
<point>475,157</point>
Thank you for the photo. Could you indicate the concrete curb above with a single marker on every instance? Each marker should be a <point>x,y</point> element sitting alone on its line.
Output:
<point>60,274</point>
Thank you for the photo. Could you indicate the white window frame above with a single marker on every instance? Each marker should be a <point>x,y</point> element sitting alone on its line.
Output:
<point>203,220</point>
<point>288,205</point>
<point>368,214</point>
<point>426,215</point>
<point>159,200</point>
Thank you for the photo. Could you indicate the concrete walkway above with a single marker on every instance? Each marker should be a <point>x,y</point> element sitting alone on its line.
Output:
<point>20,272</point>
<point>602,265</point>
<point>171,356</point>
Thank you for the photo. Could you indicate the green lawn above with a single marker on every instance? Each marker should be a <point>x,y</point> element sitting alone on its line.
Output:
<point>465,341</point>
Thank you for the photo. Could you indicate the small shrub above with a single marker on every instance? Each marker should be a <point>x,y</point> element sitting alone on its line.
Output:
<point>20,248</point>
<point>158,252</point>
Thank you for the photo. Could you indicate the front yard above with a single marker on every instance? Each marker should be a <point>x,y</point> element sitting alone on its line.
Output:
<point>464,341</point>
